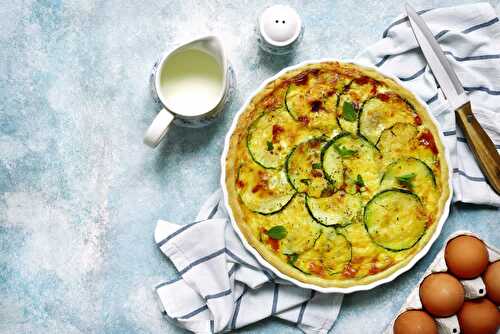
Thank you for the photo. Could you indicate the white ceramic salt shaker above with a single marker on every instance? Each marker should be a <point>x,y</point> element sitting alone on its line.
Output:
<point>279,29</point>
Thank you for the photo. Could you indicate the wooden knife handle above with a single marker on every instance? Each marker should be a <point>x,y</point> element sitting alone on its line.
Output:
<point>481,145</point>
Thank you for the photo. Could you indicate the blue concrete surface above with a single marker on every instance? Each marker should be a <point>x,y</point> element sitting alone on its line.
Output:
<point>80,193</point>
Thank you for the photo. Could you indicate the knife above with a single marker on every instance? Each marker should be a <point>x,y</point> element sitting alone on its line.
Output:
<point>481,145</point>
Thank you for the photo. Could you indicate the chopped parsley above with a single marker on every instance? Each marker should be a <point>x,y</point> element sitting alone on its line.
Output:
<point>344,152</point>
<point>277,232</point>
<point>359,181</point>
<point>270,146</point>
<point>306,181</point>
<point>349,112</point>
<point>328,191</point>
<point>292,258</point>
<point>406,180</point>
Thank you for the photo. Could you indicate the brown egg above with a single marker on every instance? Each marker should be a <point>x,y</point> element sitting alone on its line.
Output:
<point>441,294</point>
<point>415,322</point>
<point>466,256</point>
<point>491,278</point>
<point>478,317</point>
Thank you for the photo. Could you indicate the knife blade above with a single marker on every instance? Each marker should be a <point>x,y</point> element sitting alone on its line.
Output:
<point>439,64</point>
<point>480,143</point>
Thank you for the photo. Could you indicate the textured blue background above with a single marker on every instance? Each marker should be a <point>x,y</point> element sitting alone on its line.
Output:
<point>80,193</point>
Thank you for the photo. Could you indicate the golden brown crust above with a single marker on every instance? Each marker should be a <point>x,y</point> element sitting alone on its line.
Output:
<point>234,156</point>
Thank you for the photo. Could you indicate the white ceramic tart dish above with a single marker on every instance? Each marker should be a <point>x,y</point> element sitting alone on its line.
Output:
<point>335,176</point>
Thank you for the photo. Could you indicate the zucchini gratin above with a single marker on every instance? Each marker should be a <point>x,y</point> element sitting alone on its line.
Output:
<point>336,174</point>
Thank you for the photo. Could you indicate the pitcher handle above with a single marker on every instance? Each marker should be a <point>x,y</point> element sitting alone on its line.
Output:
<point>159,128</point>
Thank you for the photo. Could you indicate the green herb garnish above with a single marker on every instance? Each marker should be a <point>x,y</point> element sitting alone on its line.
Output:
<point>270,146</point>
<point>359,181</point>
<point>292,258</point>
<point>328,191</point>
<point>405,180</point>
<point>316,165</point>
<point>277,232</point>
<point>349,113</point>
<point>306,181</point>
<point>344,152</point>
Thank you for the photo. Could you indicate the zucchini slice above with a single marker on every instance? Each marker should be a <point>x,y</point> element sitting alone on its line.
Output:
<point>265,191</point>
<point>365,253</point>
<point>311,105</point>
<point>355,94</point>
<point>363,246</point>
<point>381,112</point>
<point>303,169</point>
<point>302,231</point>
<point>414,175</point>
<point>271,137</point>
<point>411,174</point>
<point>329,255</point>
<point>396,139</point>
<point>395,219</point>
<point>331,161</point>
<point>337,210</point>
<point>402,140</point>
<point>361,160</point>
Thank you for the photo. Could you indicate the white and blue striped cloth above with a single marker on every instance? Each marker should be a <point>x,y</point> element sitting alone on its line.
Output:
<point>470,37</point>
<point>221,286</point>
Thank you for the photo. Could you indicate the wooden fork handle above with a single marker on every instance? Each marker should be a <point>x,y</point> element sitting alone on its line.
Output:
<point>481,145</point>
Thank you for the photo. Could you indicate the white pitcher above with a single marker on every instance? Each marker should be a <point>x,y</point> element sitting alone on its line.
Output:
<point>192,84</point>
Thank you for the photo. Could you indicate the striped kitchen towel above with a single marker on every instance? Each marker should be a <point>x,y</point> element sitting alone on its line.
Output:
<point>221,286</point>
<point>470,37</point>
